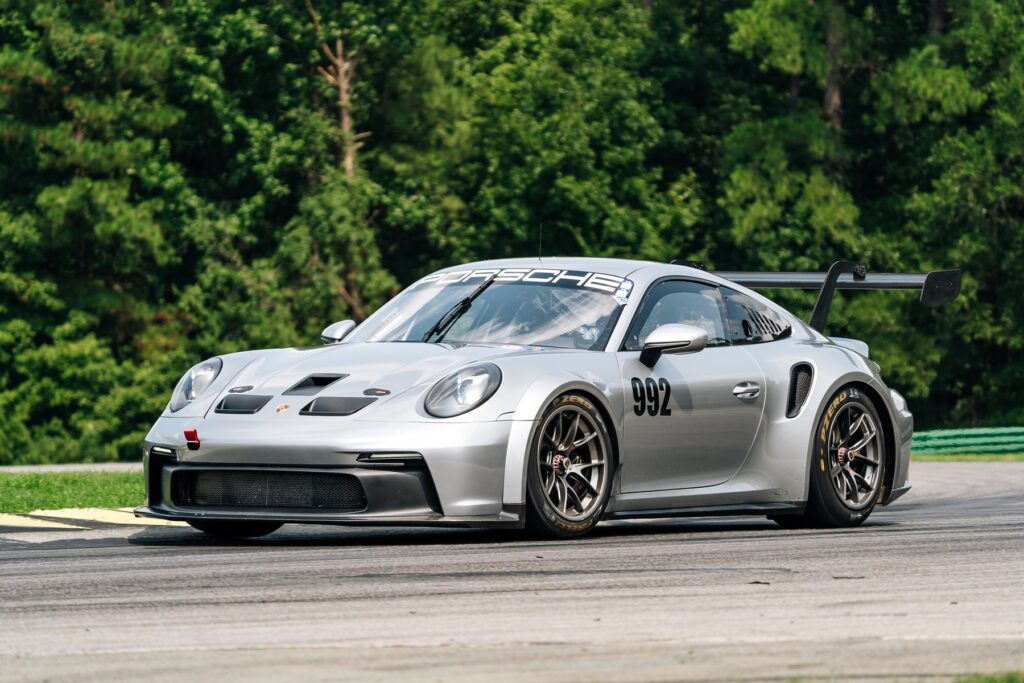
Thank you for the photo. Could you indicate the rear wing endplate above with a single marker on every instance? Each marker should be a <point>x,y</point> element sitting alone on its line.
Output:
<point>937,288</point>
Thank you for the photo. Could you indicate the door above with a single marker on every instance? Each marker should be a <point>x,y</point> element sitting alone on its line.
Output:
<point>691,419</point>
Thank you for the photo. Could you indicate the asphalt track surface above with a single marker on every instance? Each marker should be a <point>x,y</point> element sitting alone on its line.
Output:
<point>929,589</point>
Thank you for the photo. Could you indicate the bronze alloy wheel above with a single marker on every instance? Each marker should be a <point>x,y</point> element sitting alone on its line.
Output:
<point>569,469</point>
<point>854,459</point>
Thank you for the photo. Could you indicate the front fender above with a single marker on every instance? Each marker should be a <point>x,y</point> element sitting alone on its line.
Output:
<point>525,420</point>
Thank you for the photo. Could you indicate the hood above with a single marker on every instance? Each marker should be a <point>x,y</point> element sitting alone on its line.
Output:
<point>382,370</point>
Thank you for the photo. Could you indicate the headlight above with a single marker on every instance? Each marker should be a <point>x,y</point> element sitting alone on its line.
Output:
<point>462,391</point>
<point>195,382</point>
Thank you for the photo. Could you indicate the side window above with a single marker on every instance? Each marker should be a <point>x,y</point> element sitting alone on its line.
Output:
<point>679,301</point>
<point>750,321</point>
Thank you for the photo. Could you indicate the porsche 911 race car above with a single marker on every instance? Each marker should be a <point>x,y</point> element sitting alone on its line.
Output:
<point>550,394</point>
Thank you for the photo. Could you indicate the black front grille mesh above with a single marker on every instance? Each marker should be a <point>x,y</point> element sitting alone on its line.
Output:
<point>255,489</point>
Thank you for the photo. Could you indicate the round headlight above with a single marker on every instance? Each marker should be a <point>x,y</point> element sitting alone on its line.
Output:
<point>462,391</point>
<point>195,382</point>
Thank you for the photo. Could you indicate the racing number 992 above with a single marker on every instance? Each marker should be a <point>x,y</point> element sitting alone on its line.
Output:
<point>651,397</point>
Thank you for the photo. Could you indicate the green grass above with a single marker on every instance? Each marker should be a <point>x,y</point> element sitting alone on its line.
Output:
<point>993,678</point>
<point>936,457</point>
<point>25,492</point>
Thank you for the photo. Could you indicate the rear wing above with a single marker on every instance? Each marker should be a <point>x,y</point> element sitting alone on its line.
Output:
<point>937,288</point>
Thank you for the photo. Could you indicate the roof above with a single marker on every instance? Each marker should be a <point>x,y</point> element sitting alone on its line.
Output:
<point>609,266</point>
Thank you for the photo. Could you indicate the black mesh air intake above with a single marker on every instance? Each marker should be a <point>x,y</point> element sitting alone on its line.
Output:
<point>799,387</point>
<point>256,489</point>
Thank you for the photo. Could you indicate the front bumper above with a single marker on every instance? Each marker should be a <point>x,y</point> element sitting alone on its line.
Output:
<point>453,475</point>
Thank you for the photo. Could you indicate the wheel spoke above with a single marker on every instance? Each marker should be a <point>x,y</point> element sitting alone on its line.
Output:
<point>854,427</point>
<point>580,466</point>
<point>584,481</point>
<point>565,494</point>
<point>864,459</point>
<point>571,434</point>
<point>556,436</point>
<point>577,503</point>
<point>586,439</point>
<point>855,476</point>
<point>852,488</point>
<point>865,441</point>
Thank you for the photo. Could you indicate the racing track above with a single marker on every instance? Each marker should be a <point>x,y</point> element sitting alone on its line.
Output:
<point>930,588</point>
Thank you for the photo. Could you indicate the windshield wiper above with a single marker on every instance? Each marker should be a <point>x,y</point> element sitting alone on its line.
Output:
<point>455,312</point>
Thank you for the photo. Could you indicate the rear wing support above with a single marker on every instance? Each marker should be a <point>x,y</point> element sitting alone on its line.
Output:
<point>937,288</point>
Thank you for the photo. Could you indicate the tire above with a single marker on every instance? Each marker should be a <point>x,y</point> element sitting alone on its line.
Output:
<point>226,529</point>
<point>569,469</point>
<point>848,464</point>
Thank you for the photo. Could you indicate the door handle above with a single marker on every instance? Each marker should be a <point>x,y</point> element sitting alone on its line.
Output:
<point>746,390</point>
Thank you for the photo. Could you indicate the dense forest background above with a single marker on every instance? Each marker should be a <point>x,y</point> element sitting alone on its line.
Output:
<point>194,177</point>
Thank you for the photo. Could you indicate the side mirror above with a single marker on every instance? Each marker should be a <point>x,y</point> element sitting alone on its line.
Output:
<point>673,338</point>
<point>335,332</point>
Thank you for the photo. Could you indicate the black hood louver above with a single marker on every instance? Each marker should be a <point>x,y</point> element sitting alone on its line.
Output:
<point>241,404</point>
<point>313,384</point>
<point>327,406</point>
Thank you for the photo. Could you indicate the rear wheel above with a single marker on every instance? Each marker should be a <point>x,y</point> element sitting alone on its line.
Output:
<point>848,466</point>
<point>227,529</point>
<point>569,469</point>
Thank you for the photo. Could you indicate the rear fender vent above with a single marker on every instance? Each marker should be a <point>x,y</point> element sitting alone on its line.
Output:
<point>799,388</point>
<point>241,404</point>
<point>336,405</point>
<point>313,384</point>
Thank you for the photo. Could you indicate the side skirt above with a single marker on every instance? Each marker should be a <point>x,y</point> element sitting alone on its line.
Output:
<point>759,509</point>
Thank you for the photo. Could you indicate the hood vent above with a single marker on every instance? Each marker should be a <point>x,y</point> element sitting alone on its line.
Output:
<point>241,404</point>
<point>336,405</point>
<point>313,384</point>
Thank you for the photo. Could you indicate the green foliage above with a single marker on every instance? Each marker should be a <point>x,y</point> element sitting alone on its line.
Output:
<point>170,182</point>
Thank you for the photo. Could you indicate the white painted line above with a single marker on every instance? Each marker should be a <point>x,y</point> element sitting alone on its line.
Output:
<point>23,522</point>
<point>105,516</point>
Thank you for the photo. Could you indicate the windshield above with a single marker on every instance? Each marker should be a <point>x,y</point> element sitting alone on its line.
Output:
<point>561,309</point>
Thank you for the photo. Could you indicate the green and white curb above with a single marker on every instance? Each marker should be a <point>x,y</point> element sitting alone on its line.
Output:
<point>78,519</point>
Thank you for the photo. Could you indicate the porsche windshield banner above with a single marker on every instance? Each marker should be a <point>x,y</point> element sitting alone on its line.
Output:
<point>612,284</point>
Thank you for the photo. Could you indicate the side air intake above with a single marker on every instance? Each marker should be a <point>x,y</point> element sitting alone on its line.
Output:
<point>799,387</point>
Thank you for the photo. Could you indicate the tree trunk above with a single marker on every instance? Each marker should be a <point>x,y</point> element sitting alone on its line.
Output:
<point>794,93</point>
<point>344,68</point>
<point>835,41</point>
<point>339,73</point>
<point>937,16</point>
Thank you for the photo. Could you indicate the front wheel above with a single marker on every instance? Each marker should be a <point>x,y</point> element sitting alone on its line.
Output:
<point>229,529</point>
<point>848,467</point>
<point>569,470</point>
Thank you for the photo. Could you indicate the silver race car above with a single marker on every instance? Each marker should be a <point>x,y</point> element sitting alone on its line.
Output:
<point>548,394</point>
